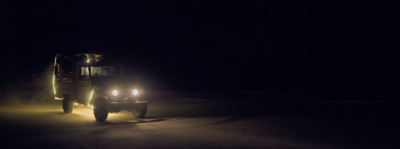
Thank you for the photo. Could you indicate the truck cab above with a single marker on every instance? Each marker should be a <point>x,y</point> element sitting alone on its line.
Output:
<point>98,83</point>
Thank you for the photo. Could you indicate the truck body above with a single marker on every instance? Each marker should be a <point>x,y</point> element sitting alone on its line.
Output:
<point>92,80</point>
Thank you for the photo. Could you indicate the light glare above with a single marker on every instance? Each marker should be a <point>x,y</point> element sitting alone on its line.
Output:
<point>54,76</point>
<point>91,96</point>
<point>135,92</point>
<point>115,92</point>
<point>54,85</point>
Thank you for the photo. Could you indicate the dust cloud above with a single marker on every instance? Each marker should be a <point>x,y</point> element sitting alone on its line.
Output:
<point>29,89</point>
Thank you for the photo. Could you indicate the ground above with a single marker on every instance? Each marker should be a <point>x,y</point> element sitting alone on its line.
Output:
<point>206,123</point>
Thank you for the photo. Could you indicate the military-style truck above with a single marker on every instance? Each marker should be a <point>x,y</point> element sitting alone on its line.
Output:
<point>94,81</point>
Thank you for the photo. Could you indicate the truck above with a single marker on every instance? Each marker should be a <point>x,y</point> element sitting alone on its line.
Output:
<point>95,81</point>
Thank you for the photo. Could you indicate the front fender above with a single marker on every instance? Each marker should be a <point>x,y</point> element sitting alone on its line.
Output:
<point>96,95</point>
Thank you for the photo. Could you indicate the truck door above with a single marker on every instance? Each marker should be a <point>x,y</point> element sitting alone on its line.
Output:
<point>56,77</point>
<point>83,85</point>
<point>58,74</point>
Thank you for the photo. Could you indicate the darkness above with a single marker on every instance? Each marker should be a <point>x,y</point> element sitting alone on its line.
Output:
<point>275,46</point>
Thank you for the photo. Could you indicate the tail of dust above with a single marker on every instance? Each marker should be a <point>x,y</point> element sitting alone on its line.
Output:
<point>31,88</point>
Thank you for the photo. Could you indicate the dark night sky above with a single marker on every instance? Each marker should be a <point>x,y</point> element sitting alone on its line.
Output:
<point>228,45</point>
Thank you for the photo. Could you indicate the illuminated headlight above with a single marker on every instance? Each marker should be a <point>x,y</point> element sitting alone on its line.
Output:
<point>115,92</point>
<point>135,92</point>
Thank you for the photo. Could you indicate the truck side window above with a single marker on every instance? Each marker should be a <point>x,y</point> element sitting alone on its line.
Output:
<point>84,72</point>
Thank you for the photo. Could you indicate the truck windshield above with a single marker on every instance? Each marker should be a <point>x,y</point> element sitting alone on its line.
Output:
<point>102,71</point>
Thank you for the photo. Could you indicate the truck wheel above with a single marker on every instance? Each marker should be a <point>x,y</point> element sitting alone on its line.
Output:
<point>139,113</point>
<point>100,109</point>
<point>68,104</point>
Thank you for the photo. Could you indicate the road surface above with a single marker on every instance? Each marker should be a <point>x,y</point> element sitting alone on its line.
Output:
<point>204,123</point>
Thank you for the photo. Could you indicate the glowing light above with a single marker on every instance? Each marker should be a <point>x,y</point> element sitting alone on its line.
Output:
<point>90,99</point>
<point>88,61</point>
<point>135,92</point>
<point>54,75</point>
<point>54,86</point>
<point>115,92</point>
<point>91,96</point>
<point>55,61</point>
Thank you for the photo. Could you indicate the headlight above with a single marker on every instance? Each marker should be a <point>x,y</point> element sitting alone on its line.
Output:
<point>115,92</point>
<point>135,92</point>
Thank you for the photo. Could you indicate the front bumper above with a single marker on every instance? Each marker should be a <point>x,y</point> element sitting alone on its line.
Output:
<point>118,106</point>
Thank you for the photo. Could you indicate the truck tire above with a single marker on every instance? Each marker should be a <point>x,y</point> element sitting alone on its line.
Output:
<point>139,113</point>
<point>68,104</point>
<point>100,109</point>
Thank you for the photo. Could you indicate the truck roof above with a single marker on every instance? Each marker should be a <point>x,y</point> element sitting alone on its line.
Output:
<point>91,56</point>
